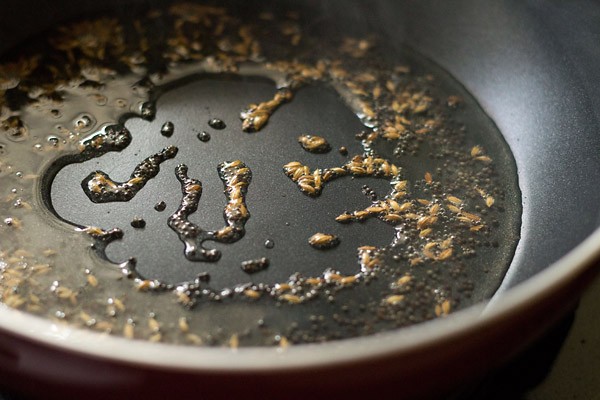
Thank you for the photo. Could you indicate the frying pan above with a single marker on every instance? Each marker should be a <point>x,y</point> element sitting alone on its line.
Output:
<point>535,74</point>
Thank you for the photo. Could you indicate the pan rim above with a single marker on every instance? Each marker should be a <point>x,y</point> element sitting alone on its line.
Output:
<point>399,342</point>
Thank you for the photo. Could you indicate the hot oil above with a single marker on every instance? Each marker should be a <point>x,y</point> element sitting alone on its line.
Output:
<point>433,231</point>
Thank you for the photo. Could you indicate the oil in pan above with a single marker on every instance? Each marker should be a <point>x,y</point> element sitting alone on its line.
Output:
<point>201,177</point>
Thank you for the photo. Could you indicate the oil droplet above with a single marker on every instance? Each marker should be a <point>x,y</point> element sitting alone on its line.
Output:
<point>203,136</point>
<point>148,111</point>
<point>269,243</point>
<point>138,223</point>
<point>216,123</point>
<point>53,140</point>
<point>83,123</point>
<point>167,129</point>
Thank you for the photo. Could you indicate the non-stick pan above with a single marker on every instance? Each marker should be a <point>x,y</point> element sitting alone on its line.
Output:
<point>535,74</point>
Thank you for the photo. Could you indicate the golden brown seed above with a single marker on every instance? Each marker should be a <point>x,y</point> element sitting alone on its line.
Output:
<point>367,248</point>
<point>183,325</point>
<point>429,245</point>
<point>119,304</point>
<point>92,280</point>
<point>344,217</point>
<point>475,151</point>
<point>425,232</point>
<point>284,342</point>
<point>135,181</point>
<point>470,216</point>
<point>392,217</point>
<point>400,185</point>
<point>454,209</point>
<point>446,305</point>
<point>405,206</point>
<point>85,317</point>
<point>377,92</point>
<point>454,200</point>
<point>307,188</point>
<point>489,201</point>
<point>49,252</point>
<point>426,221</point>
<point>361,215</point>
<point>428,178</point>
<point>446,243</point>
<point>394,299</point>
<point>128,331</point>
<point>445,254</point>
<point>282,287</point>
<point>157,337</point>
<point>415,261</point>
<point>348,279</point>
<point>291,298</point>
<point>394,205</point>
<point>253,294</point>
<point>292,165</point>
<point>153,325</point>
<point>63,292</point>
<point>234,341</point>
<point>323,240</point>
<point>193,339</point>
<point>183,298</point>
<point>144,285</point>
<point>404,280</point>
<point>314,144</point>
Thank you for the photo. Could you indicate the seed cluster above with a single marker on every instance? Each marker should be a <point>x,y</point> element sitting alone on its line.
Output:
<point>314,144</point>
<point>256,116</point>
<point>100,188</point>
<point>236,177</point>
<point>311,182</point>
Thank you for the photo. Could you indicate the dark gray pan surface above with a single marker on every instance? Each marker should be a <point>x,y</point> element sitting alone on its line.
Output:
<point>534,74</point>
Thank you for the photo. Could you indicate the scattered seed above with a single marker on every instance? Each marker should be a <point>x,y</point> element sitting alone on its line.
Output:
<point>253,266</point>
<point>394,299</point>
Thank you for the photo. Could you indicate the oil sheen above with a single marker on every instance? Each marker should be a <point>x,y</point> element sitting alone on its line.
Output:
<point>170,178</point>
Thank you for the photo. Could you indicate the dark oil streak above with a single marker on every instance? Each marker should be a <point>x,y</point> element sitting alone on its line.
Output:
<point>100,188</point>
<point>236,177</point>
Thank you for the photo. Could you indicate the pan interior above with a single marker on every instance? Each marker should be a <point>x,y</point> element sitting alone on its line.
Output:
<point>280,214</point>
